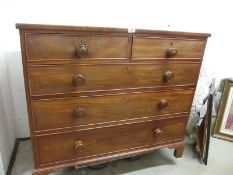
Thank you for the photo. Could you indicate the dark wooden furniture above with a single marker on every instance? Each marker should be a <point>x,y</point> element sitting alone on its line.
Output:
<point>99,94</point>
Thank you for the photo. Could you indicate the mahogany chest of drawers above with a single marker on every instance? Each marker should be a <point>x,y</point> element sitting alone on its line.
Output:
<point>99,94</point>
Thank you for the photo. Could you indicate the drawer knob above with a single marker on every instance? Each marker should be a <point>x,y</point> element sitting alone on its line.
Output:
<point>168,75</point>
<point>79,145</point>
<point>157,131</point>
<point>81,51</point>
<point>78,80</point>
<point>79,112</point>
<point>163,103</point>
<point>172,51</point>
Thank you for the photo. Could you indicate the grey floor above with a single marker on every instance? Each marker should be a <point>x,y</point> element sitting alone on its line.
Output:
<point>160,162</point>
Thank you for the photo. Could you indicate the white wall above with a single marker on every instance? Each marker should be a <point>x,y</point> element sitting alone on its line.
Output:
<point>2,172</point>
<point>197,15</point>
<point>7,123</point>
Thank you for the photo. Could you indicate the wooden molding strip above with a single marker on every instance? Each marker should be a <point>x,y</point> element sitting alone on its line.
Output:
<point>111,92</point>
<point>109,124</point>
<point>40,27</point>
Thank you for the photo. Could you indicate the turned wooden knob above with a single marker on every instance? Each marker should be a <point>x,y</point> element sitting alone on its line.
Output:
<point>172,51</point>
<point>163,103</point>
<point>79,112</point>
<point>79,145</point>
<point>157,131</point>
<point>168,75</point>
<point>78,80</point>
<point>81,51</point>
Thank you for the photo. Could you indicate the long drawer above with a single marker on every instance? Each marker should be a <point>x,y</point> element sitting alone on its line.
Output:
<point>59,79</point>
<point>70,112</point>
<point>81,144</point>
<point>75,47</point>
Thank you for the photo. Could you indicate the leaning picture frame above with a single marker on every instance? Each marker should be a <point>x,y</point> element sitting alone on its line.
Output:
<point>223,128</point>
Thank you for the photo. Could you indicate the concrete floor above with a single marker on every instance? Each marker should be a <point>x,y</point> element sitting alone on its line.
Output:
<point>160,162</point>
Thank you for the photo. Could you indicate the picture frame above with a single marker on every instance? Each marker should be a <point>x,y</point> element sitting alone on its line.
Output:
<point>223,128</point>
<point>204,128</point>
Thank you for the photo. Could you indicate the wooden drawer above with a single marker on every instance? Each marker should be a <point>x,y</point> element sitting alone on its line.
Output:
<point>56,47</point>
<point>161,48</point>
<point>79,78</point>
<point>81,144</point>
<point>59,113</point>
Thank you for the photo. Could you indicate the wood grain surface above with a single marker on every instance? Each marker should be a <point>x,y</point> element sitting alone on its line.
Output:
<point>157,48</point>
<point>59,113</point>
<point>61,147</point>
<point>59,79</point>
<point>55,46</point>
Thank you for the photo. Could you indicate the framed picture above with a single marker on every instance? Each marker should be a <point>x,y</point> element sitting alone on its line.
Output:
<point>203,129</point>
<point>224,122</point>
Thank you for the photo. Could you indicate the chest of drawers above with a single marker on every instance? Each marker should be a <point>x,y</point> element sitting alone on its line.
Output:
<point>100,94</point>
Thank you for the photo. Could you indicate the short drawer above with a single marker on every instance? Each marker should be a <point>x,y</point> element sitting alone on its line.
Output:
<point>79,78</point>
<point>70,112</point>
<point>163,48</point>
<point>86,143</point>
<point>76,47</point>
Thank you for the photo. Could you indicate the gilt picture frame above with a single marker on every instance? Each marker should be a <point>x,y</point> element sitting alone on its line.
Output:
<point>223,128</point>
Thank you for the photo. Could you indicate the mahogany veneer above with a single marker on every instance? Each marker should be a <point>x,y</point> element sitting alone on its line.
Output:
<point>91,91</point>
<point>56,79</point>
<point>60,113</point>
<point>157,48</point>
<point>47,46</point>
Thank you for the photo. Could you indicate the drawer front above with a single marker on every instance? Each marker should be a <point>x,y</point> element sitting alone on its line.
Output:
<point>161,48</point>
<point>59,113</point>
<point>55,46</point>
<point>80,144</point>
<point>71,78</point>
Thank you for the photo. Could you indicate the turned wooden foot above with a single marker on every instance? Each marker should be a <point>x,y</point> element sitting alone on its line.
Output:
<point>179,151</point>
